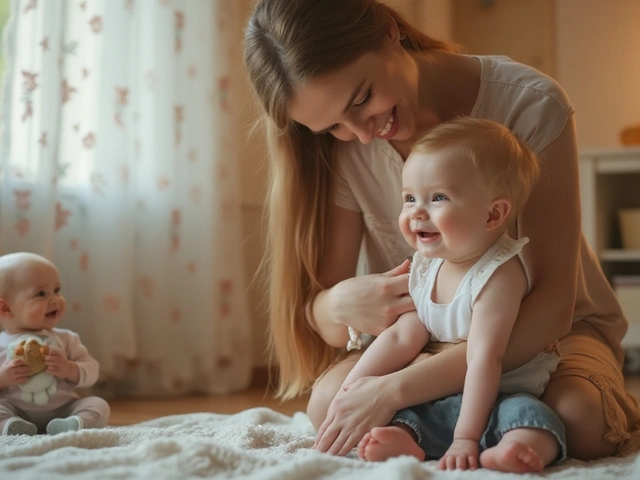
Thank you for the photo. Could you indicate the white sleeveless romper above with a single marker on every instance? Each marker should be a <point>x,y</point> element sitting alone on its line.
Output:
<point>451,322</point>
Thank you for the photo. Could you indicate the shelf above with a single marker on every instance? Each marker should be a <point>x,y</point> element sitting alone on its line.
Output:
<point>618,165</point>
<point>609,161</point>
<point>623,151</point>
<point>609,179</point>
<point>620,255</point>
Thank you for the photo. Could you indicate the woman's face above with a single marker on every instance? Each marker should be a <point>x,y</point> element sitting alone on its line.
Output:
<point>375,96</point>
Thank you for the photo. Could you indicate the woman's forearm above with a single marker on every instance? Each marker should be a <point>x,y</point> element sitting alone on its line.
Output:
<point>331,331</point>
<point>369,303</point>
<point>392,350</point>
<point>429,378</point>
<point>441,375</point>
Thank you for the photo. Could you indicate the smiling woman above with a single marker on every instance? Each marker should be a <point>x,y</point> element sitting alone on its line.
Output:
<point>375,83</point>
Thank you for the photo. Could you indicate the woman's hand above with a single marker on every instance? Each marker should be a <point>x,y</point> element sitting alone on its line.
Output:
<point>371,303</point>
<point>365,404</point>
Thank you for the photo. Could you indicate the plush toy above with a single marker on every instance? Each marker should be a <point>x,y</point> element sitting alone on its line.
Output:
<point>41,385</point>
<point>32,354</point>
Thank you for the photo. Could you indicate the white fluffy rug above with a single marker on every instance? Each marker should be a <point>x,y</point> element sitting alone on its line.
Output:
<point>255,444</point>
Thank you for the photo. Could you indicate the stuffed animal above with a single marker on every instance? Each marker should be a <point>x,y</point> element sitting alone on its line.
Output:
<point>41,385</point>
<point>32,354</point>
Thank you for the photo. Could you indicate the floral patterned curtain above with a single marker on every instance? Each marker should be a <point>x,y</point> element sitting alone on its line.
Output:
<point>118,162</point>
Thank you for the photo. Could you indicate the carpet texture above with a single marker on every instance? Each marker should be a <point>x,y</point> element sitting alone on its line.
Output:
<point>256,444</point>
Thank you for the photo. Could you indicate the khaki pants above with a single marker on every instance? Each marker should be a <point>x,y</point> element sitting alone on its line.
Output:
<point>584,353</point>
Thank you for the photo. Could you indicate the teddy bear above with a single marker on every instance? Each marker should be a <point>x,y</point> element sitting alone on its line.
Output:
<point>41,385</point>
<point>32,354</point>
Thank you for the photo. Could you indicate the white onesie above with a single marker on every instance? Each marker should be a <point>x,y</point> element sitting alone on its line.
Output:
<point>451,322</point>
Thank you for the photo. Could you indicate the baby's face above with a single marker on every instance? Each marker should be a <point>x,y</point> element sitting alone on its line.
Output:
<point>35,299</point>
<point>445,206</point>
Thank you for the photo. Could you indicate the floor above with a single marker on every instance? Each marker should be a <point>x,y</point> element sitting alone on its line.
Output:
<point>130,411</point>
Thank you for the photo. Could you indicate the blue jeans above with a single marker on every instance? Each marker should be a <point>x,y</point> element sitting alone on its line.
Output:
<point>434,422</point>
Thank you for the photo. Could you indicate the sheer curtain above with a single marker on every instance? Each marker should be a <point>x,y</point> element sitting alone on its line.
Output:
<point>118,162</point>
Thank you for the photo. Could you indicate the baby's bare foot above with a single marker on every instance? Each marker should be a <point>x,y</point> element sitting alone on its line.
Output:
<point>387,442</point>
<point>510,456</point>
<point>362,444</point>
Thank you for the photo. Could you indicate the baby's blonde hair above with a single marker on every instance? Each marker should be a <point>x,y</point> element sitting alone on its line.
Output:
<point>506,165</point>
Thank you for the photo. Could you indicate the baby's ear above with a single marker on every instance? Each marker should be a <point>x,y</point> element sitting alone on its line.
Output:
<point>5,311</point>
<point>499,212</point>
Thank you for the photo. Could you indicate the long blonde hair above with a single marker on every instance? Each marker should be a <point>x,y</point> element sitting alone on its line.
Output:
<point>287,43</point>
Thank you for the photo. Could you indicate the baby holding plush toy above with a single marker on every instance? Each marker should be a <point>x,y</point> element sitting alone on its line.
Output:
<point>40,365</point>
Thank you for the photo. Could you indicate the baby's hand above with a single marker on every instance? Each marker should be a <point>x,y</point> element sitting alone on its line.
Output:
<point>13,373</point>
<point>58,365</point>
<point>462,454</point>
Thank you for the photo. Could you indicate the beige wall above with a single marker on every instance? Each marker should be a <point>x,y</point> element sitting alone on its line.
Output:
<point>598,63</point>
<point>592,47</point>
<point>521,29</point>
<point>434,16</point>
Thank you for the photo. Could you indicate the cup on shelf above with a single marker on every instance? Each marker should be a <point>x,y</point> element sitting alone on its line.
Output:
<point>630,228</point>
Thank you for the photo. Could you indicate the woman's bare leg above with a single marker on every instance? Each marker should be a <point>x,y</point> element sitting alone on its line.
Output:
<point>325,390</point>
<point>578,403</point>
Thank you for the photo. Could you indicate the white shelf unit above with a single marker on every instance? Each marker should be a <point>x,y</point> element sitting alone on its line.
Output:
<point>610,181</point>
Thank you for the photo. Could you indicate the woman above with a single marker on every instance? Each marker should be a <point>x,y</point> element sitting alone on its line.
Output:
<point>346,86</point>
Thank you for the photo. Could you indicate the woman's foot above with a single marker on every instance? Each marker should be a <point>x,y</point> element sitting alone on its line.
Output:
<point>387,442</point>
<point>512,457</point>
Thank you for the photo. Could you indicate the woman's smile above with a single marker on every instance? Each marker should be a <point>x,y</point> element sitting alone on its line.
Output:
<point>390,128</point>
